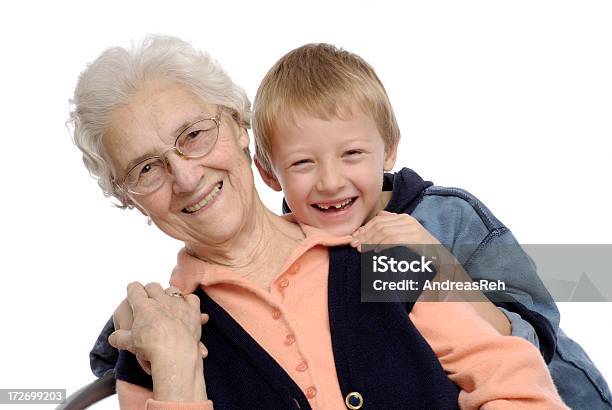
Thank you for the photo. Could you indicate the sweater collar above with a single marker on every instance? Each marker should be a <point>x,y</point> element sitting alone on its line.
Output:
<point>191,272</point>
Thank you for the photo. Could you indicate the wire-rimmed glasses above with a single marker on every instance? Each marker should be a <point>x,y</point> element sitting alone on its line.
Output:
<point>194,141</point>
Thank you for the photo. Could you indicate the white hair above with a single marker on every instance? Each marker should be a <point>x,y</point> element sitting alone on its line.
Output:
<point>119,72</point>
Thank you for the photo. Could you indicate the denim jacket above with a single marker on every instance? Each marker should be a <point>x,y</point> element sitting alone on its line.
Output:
<point>457,218</point>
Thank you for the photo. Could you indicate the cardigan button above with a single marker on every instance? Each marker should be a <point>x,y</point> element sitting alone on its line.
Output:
<point>311,392</point>
<point>353,400</point>
<point>294,268</point>
<point>302,366</point>
<point>289,340</point>
<point>276,314</point>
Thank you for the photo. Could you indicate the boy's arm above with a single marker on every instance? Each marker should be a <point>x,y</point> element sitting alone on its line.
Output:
<point>389,230</point>
<point>491,260</point>
<point>493,371</point>
<point>488,250</point>
<point>500,257</point>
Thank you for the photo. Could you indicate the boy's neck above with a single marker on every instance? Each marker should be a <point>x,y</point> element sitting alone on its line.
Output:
<point>383,201</point>
<point>381,205</point>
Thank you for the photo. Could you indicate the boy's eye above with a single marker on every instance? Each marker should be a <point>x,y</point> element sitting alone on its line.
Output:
<point>353,152</point>
<point>301,162</point>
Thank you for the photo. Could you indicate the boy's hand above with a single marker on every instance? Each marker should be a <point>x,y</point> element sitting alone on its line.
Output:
<point>123,319</point>
<point>389,229</point>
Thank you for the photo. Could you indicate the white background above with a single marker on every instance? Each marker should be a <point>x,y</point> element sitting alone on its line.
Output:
<point>509,100</point>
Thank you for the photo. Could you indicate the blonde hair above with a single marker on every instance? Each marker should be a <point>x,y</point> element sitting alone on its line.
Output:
<point>322,81</point>
<point>119,72</point>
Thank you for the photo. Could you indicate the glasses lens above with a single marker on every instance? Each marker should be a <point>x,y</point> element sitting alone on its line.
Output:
<point>146,177</point>
<point>198,139</point>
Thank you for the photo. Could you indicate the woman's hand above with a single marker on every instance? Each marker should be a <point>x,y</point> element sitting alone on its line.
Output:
<point>123,319</point>
<point>165,332</point>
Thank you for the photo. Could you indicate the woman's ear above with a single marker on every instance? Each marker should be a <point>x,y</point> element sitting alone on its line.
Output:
<point>390,157</point>
<point>243,138</point>
<point>268,177</point>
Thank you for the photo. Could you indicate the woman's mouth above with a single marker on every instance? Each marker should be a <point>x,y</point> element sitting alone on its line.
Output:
<point>204,201</point>
<point>334,206</point>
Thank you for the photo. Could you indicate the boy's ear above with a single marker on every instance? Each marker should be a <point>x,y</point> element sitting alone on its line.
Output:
<point>268,177</point>
<point>390,157</point>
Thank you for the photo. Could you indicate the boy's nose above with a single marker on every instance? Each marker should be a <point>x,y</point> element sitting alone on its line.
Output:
<point>331,179</point>
<point>186,173</point>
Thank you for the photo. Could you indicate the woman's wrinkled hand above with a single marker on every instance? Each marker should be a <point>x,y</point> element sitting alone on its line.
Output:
<point>166,331</point>
<point>151,320</point>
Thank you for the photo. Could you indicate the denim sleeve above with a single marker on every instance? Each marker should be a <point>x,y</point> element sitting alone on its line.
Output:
<point>488,250</point>
<point>103,356</point>
<point>500,257</point>
<point>521,328</point>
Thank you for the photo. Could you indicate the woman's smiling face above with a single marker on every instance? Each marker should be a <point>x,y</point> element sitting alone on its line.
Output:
<point>203,201</point>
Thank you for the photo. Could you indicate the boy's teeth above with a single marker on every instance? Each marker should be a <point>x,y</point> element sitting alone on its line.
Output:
<point>337,206</point>
<point>205,200</point>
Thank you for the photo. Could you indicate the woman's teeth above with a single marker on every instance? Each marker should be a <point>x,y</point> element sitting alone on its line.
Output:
<point>212,195</point>
<point>339,205</point>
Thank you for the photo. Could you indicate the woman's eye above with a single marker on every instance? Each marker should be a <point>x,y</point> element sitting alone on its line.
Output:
<point>145,169</point>
<point>194,134</point>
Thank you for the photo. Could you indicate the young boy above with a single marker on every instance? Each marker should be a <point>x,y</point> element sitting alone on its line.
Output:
<point>325,133</point>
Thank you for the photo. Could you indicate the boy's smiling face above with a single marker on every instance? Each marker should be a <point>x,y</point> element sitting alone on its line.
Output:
<point>331,172</point>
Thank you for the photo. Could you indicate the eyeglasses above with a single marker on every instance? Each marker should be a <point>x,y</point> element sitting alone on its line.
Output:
<point>195,141</point>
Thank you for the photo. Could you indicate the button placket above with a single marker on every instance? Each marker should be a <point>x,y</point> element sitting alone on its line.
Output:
<point>301,367</point>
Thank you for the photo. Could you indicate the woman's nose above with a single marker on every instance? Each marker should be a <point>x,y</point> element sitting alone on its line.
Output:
<point>185,173</point>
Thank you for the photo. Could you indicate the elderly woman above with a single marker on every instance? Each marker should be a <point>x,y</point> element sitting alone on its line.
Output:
<point>164,130</point>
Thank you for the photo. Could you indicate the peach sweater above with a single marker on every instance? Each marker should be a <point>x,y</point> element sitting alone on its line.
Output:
<point>290,321</point>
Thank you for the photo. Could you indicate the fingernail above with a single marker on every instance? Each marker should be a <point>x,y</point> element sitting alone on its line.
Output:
<point>112,339</point>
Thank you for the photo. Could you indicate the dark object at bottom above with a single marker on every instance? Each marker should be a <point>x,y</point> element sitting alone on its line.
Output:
<point>90,394</point>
